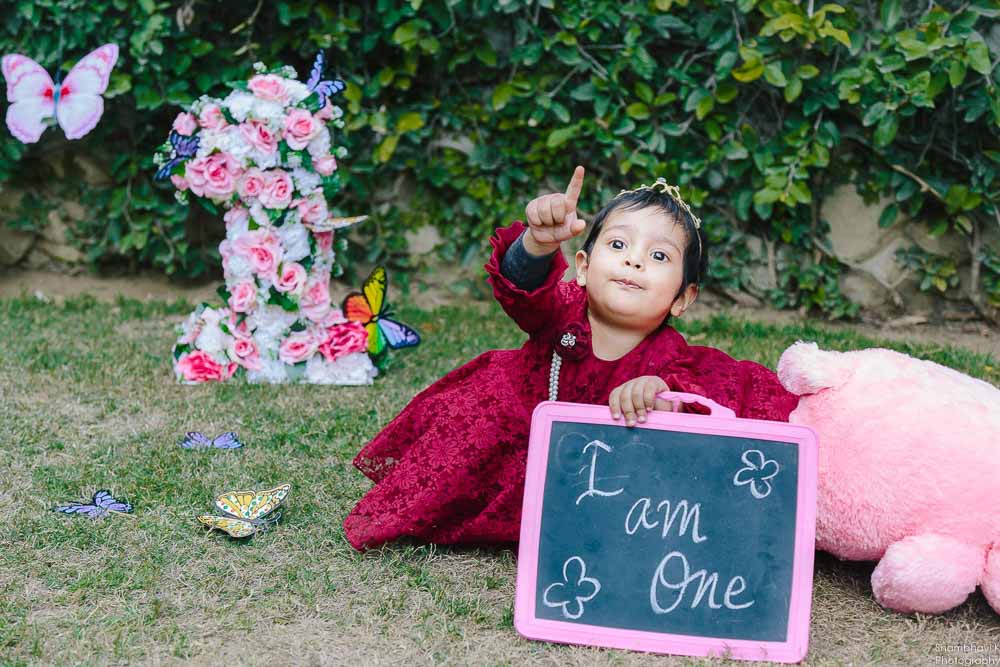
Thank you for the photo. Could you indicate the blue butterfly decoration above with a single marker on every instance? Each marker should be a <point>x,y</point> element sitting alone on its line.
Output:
<point>198,440</point>
<point>102,504</point>
<point>323,89</point>
<point>182,148</point>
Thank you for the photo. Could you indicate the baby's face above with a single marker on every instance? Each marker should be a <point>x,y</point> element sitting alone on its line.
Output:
<point>635,269</point>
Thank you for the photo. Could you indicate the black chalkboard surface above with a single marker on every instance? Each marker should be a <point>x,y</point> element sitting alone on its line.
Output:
<point>688,534</point>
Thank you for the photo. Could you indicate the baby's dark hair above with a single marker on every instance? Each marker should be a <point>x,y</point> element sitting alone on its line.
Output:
<point>696,252</point>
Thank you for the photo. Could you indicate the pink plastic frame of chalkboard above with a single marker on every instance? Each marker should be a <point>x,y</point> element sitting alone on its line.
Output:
<point>792,650</point>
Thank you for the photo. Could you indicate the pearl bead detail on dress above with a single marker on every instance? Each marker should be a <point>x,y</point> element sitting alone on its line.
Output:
<point>554,375</point>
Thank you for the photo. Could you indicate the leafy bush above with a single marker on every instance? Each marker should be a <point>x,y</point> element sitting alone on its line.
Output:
<point>460,111</point>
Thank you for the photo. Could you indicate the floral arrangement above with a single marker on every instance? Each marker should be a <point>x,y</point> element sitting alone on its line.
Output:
<point>265,154</point>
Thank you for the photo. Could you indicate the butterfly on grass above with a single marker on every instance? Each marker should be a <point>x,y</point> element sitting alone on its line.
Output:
<point>198,440</point>
<point>76,102</point>
<point>102,504</point>
<point>247,512</point>
<point>181,148</point>
<point>316,83</point>
<point>369,308</point>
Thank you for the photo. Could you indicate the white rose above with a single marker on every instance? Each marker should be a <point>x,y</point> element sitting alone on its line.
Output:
<point>294,241</point>
<point>239,104</point>
<point>238,228</point>
<point>351,369</point>
<point>212,340</point>
<point>271,371</point>
<point>298,90</point>
<point>265,161</point>
<point>268,110</point>
<point>258,214</point>
<point>320,144</point>
<point>237,145</point>
<point>190,325</point>
<point>305,181</point>
<point>208,141</point>
<point>238,269</point>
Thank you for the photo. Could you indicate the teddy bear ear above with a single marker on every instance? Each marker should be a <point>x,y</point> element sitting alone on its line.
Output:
<point>806,369</point>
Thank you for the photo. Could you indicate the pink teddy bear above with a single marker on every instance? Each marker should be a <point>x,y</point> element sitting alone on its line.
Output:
<point>909,471</point>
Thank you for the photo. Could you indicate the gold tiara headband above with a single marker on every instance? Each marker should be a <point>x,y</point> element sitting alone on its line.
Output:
<point>675,194</point>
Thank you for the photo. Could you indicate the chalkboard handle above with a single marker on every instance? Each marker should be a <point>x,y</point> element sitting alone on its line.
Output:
<point>676,397</point>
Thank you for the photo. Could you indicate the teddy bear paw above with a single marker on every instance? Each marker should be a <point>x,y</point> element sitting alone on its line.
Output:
<point>927,573</point>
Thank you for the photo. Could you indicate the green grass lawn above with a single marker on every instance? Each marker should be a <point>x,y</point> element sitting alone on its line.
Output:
<point>88,400</point>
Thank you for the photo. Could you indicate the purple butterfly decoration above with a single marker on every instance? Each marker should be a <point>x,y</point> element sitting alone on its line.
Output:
<point>198,440</point>
<point>323,89</point>
<point>101,505</point>
<point>182,148</point>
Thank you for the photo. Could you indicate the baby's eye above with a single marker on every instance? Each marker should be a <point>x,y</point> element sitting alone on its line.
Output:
<point>617,244</point>
<point>660,256</point>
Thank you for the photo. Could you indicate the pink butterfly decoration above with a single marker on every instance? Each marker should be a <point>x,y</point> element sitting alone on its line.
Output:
<point>76,102</point>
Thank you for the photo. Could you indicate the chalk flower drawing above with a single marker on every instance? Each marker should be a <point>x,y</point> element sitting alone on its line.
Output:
<point>567,593</point>
<point>757,472</point>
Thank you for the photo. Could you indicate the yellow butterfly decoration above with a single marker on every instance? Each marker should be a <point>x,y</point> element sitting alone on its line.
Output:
<point>247,512</point>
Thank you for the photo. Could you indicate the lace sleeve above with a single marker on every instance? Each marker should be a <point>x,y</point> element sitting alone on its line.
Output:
<point>534,311</point>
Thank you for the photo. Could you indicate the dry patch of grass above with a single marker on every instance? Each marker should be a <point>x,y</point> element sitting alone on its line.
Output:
<point>87,400</point>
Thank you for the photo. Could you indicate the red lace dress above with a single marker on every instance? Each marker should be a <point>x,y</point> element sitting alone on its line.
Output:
<point>450,467</point>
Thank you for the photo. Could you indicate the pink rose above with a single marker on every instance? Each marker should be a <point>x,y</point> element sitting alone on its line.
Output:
<point>299,346</point>
<point>199,366</point>
<point>185,124</point>
<point>312,210</point>
<point>243,297</point>
<point>315,301</point>
<point>252,183</point>
<point>259,136</point>
<point>246,353</point>
<point>269,87</point>
<point>262,248</point>
<point>213,176</point>
<point>241,330</point>
<point>300,128</point>
<point>344,339</point>
<point>179,182</point>
<point>325,166</point>
<point>237,215</point>
<point>291,279</point>
<point>277,192</point>
<point>334,317</point>
<point>324,241</point>
<point>326,113</point>
<point>211,117</point>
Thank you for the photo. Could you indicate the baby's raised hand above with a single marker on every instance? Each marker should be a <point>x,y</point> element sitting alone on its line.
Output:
<point>638,396</point>
<point>552,218</point>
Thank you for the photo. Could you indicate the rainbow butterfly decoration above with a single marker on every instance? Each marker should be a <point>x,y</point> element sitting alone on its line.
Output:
<point>247,512</point>
<point>369,308</point>
<point>76,102</point>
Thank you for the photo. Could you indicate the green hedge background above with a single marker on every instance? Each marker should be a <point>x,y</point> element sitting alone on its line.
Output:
<point>460,111</point>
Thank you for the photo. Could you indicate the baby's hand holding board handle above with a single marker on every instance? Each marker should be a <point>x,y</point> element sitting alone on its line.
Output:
<point>552,218</point>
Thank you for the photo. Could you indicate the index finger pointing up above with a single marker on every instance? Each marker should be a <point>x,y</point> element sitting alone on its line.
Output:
<point>573,191</point>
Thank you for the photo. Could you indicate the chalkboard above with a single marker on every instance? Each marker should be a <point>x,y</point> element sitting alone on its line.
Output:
<point>689,534</point>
